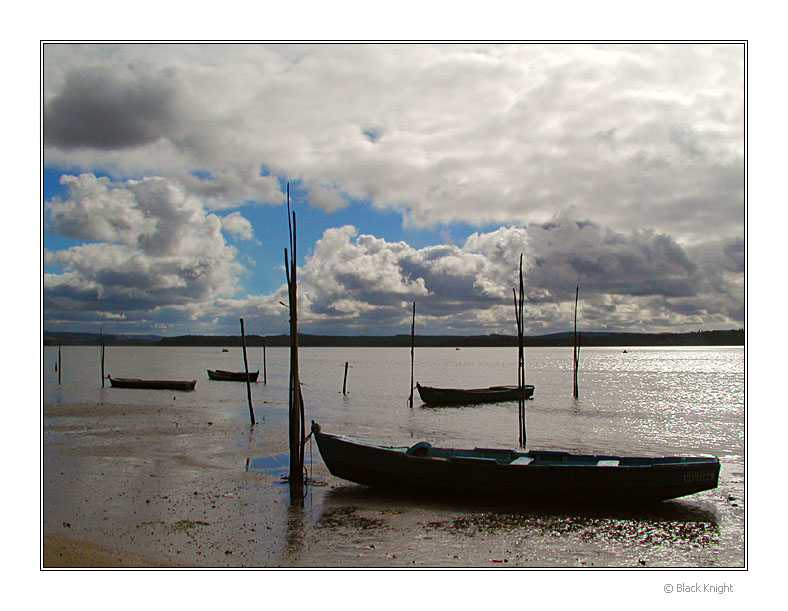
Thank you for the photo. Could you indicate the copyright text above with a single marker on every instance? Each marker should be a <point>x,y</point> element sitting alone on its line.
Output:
<point>698,588</point>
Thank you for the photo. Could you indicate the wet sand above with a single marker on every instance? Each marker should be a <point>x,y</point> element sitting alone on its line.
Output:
<point>173,486</point>
<point>156,486</point>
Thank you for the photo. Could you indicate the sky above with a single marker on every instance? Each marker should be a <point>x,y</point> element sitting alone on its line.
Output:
<point>417,172</point>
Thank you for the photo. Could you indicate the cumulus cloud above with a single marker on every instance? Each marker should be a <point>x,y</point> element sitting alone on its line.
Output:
<point>150,244</point>
<point>238,225</point>
<point>630,136</point>
<point>102,109</point>
<point>614,163</point>
<point>629,280</point>
<point>327,198</point>
<point>355,282</point>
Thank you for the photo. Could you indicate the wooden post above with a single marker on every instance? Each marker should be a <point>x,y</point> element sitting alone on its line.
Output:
<point>412,345</point>
<point>265,374</point>
<point>576,344</point>
<point>59,362</point>
<point>344,383</point>
<point>296,399</point>
<point>246,369</point>
<point>102,358</point>
<point>519,317</point>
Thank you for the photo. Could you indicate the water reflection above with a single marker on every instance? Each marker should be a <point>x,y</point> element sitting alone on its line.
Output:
<point>276,464</point>
<point>675,510</point>
<point>294,537</point>
<point>669,524</point>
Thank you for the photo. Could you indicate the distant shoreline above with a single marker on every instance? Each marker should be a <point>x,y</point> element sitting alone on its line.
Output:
<point>733,337</point>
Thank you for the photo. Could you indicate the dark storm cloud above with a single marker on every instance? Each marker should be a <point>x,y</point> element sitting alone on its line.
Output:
<point>101,110</point>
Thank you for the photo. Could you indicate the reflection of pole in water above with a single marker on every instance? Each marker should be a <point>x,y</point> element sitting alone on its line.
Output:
<point>294,538</point>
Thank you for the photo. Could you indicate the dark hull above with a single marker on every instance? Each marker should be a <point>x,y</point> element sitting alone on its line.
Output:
<point>551,475</point>
<point>232,376</point>
<point>460,396</point>
<point>153,384</point>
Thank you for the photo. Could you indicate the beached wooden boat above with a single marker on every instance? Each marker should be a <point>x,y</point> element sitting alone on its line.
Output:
<point>232,376</point>
<point>532,476</point>
<point>153,384</point>
<point>460,396</point>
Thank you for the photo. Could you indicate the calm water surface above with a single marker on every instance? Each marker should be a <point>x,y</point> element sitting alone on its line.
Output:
<point>651,401</point>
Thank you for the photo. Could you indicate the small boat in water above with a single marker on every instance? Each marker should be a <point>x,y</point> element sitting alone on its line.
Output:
<point>225,350</point>
<point>460,396</point>
<point>232,376</point>
<point>153,384</point>
<point>535,475</point>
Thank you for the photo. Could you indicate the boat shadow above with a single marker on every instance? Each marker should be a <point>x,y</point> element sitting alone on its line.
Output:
<point>675,510</point>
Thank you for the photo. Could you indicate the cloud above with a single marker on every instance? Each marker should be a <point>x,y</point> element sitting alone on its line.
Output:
<point>615,163</point>
<point>150,245</point>
<point>326,198</point>
<point>238,225</point>
<point>360,283</point>
<point>631,136</point>
<point>102,109</point>
<point>629,280</point>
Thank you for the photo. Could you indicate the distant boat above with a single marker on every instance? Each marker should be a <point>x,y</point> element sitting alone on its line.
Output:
<point>225,350</point>
<point>460,396</point>
<point>153,384</point>
<point>530,476</point>
<point>232,376</point>
<point>624,352</point>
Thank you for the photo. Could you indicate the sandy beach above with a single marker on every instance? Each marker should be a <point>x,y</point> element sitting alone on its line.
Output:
<point>150,487</point>
<point>177,486</point>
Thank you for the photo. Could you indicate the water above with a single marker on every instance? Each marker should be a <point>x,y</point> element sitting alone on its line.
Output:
<point>648,401</point>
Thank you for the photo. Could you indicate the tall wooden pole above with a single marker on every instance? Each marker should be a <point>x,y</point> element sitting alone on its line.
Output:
<point>412,347</point>
<point>296,399</point>
<point>344,383</point>
<point>102,358</point>
<point>246,369</point>
<point>519,313</point>
<point>576,344</point>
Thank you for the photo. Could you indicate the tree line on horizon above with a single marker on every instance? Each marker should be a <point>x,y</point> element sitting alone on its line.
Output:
<point>732,337</point>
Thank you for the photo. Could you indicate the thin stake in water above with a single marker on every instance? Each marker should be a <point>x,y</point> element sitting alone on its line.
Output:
<point>296,399</point>
<point>519,315</point>
<point>246,369</point>
<point>576,345</point>
<point>102,358</point>
<point>412,345</point>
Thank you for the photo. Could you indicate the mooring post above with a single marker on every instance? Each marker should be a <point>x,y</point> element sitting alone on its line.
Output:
<point>576,349</point>
<point>246,368</point>
<point>412,345</point>
<point>519,317</point>
<point>296,403</point>
<point>344,383</point>
<point>102,358</point>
